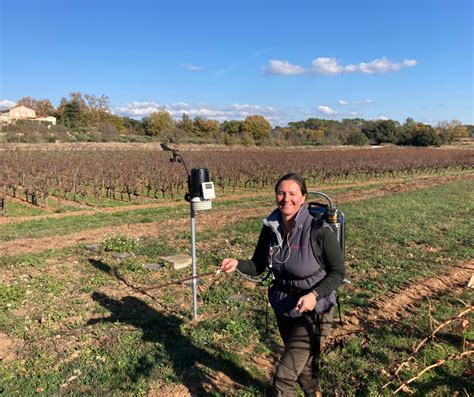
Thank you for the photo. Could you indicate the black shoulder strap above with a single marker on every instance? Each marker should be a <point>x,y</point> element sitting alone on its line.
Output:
<point>316,240</point>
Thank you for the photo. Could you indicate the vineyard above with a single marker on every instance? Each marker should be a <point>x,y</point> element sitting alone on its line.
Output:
<point>44,178</point>
<point>83,232</point>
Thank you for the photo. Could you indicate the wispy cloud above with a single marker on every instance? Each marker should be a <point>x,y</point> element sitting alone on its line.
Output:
<point>282,68</point>
<point>6,104</point>
<point>326,110</point>
<point>384,65</point>
<point>193,68</point>
<point>343,102</point>
<point>258,53</point>
<point>333,67</point>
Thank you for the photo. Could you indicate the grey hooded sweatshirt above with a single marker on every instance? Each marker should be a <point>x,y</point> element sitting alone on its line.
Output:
<point>295,269</point>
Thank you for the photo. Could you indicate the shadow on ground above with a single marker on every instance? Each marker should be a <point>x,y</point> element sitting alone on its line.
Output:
<point>189,363</point>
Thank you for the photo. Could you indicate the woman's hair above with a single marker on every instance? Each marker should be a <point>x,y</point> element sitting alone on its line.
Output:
<point>293,176</point>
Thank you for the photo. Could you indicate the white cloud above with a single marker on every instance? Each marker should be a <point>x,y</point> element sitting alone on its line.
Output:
<point>193,68</point>
<point>327,66</point>
<point>350,68</point>
<point>235,111</point>
<point>382,117</point>
<point>6,104</point>
<point>138,109</point>
<point>326,110</point>
<point>410,62</point>
<point>332,67</point>
<point>343,102</point>
<point>384,65</point>
<point>377,66</point>
<point>283,68</point>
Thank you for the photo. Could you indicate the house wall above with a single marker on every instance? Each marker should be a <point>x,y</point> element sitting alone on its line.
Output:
<point>22,112</point>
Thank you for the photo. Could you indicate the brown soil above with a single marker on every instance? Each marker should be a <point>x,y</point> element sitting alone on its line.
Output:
<point>6,345</point>
<point>397,304</point>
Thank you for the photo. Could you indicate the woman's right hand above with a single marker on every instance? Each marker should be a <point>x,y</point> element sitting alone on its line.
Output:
<point>229,265</point>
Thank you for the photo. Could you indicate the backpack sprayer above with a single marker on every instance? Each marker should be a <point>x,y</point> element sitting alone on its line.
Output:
<point>200,193</point>
<point>334,217</point>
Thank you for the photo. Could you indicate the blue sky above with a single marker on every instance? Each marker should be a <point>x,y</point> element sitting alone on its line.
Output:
<point>287,60</point>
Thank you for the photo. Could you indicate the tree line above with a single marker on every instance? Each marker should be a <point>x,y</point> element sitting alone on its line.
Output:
<point>90,118</point>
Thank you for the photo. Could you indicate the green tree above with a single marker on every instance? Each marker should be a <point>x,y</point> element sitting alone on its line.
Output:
<point>348,131</point>
<point>205,128</point>
<point>425,135</point>
<point>257,126</point>
<point>133,127</point>
<point>186,123</point>
<point>232,127</point>
<point>71,115</point>
<point>382,131</point>
<point>408,130</point>
<point>117,121</point>
<point>74,112</point>
<point>159,121</point>
<point>356,138</point>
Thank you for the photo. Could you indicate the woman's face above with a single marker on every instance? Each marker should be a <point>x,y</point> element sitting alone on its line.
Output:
<point>289,198</point>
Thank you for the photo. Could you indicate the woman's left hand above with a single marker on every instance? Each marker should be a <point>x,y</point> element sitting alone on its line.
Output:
<point>306,303</point>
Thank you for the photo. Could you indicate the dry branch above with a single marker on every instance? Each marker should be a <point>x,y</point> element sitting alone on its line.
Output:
<point>439,327</point>
<point>452,357</point>
<point>425,340</point>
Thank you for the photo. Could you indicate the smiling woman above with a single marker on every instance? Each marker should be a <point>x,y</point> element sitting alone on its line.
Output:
<point>290,196</point>
<point>302,291</point>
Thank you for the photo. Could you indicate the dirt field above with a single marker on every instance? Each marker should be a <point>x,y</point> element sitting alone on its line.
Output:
<point>379,311</point>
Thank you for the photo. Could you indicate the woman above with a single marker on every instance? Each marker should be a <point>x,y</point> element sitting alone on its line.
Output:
<point>302,292</point>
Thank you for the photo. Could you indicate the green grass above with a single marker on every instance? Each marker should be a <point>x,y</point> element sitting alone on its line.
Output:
<point>79,330</point>
<point>75,223</point>
<point>16,209</point>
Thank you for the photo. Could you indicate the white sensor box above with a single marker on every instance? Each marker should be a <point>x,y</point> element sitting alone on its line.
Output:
<point>208,192</point>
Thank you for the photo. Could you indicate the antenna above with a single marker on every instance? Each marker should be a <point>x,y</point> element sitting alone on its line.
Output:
<point>177,158</point>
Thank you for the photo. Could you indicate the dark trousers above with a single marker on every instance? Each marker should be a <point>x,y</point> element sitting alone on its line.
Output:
<point>304,338</point>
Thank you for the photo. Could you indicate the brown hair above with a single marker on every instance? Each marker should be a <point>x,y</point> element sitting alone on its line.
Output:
<point>293,176</point>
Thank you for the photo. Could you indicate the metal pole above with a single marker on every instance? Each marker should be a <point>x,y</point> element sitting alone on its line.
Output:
<point>193,253</point>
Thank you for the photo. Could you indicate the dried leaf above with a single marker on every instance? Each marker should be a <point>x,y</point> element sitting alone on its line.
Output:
<point>407,390</point>
<point>462,326</point>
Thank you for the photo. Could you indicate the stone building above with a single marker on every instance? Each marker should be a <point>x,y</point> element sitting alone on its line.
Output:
<point>21,112</point>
